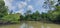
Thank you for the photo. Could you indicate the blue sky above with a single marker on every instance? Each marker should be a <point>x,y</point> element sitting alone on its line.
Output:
<point>21,6</point>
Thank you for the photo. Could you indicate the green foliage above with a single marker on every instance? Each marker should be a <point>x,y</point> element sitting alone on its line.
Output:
<point>36,16</point>
<point>11,18</point>
<point>5,17</point>
<point>31,16</point>
<point>3,9</point>
<point>52,15</point>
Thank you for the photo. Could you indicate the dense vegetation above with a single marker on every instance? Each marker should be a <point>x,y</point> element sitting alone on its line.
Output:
<point>5,17</point>
<point>52,16</point>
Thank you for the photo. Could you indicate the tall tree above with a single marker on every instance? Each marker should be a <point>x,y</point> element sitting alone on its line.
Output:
<point>3,9</point>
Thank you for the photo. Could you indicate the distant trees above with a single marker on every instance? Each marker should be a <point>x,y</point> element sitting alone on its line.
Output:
<point>36,16</point>
<point>31,16</point>
<point>51,15</point>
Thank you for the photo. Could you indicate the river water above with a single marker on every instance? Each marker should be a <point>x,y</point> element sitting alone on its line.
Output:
<point>31,24</point>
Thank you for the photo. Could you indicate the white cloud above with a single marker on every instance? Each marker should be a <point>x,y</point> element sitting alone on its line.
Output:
<point>19,4</point>
<point>27,0</point>
<point>22,5</point>
<point>30,7</point>
<point>10,0</point>
<point>9,4</point>
<point>20,11</point>
<point>39,2</point>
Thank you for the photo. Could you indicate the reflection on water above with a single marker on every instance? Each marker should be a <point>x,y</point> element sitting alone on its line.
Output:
<point>42,26</point>
<point>24,25</point>
<point>31,24</point>
<point>48,27</point>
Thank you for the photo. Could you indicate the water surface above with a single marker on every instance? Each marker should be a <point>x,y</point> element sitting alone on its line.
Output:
<point>31,24</point>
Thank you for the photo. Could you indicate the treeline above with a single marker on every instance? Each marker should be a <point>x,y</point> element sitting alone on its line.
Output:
<point>50,16</point>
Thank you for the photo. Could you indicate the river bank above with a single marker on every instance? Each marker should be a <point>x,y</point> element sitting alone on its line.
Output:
<point>34,24</point>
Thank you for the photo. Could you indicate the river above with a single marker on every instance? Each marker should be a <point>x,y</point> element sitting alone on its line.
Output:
<point>31,24</point>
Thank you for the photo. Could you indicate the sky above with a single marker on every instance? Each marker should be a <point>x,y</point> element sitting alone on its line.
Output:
<point>21,6</point>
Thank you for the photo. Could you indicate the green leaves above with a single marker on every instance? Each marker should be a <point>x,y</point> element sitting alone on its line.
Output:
<point>11,17</point>
<point>3,9</point>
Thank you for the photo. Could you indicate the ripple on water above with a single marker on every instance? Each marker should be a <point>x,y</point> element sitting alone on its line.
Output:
<point>24,25</point>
